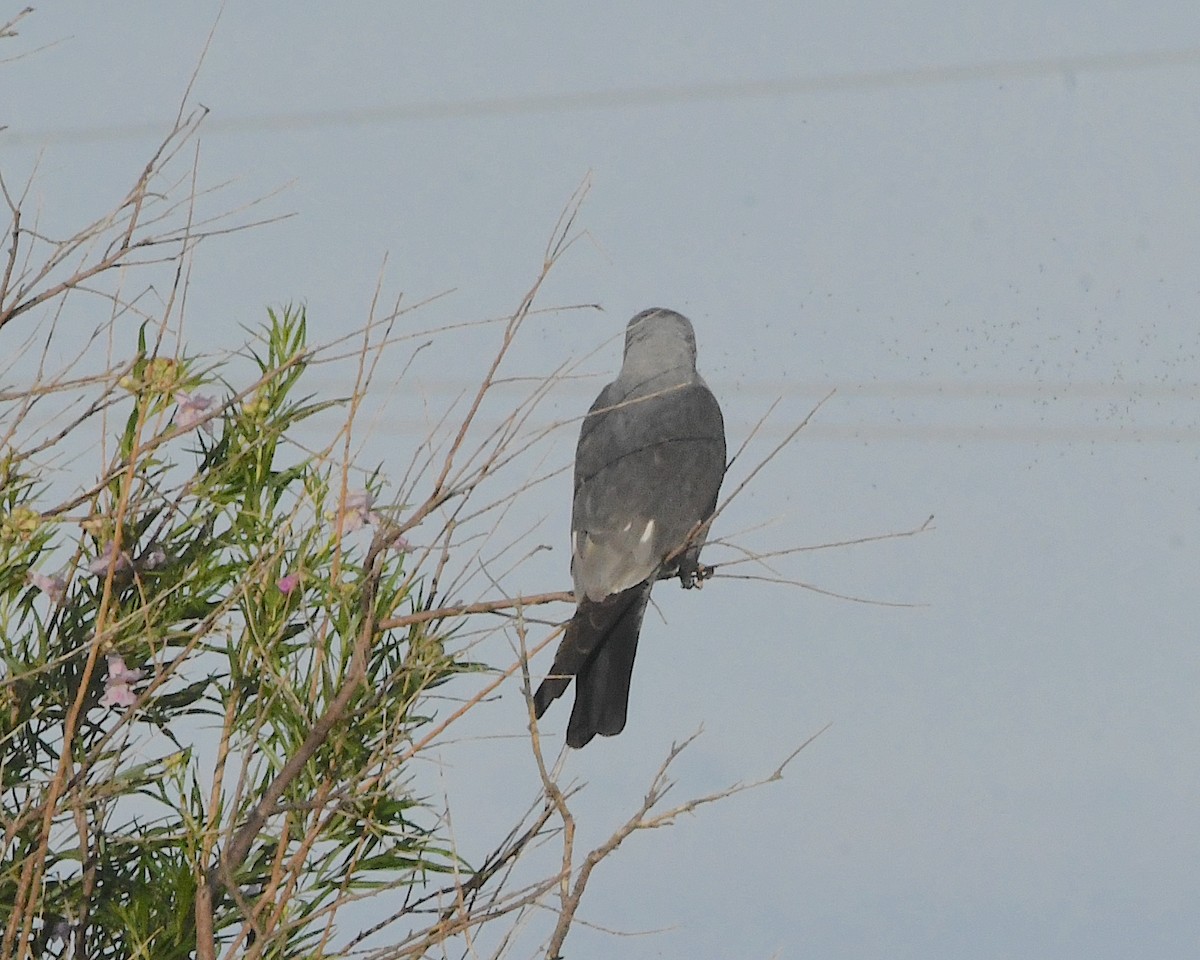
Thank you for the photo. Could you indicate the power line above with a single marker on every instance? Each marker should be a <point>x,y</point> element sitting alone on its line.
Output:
<point>867,80</point>
<point>1129,391</point>
<point>1047,434</point>
<point>1055,409</point>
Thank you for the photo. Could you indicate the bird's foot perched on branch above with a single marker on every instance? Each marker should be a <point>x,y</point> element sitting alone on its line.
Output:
<point>690,571</point>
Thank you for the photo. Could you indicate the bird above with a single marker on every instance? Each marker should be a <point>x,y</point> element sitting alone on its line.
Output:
<point>648,470</point>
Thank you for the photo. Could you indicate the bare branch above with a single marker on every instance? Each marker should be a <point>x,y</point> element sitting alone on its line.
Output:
<point>641,819</point>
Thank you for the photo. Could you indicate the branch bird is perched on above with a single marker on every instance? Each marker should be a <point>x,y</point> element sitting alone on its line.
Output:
<point>648,469</point>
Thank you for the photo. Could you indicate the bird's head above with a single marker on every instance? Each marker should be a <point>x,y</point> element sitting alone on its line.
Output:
<point>658,340</point>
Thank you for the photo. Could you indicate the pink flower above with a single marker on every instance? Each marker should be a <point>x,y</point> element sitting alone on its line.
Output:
<point>358,511</point>
<point>288,583</point>
<point>100,565</point>
<point>54,587</point>
<point>192,409</point>
<point>400,544</point>
<point>57,928</point>
<point>155,558</point>
<point>118,689</point>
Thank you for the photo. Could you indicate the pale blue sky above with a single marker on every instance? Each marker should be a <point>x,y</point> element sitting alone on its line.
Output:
<point>997,270</point>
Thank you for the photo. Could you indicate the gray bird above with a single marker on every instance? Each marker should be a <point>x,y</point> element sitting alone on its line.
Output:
<point>648,468</point>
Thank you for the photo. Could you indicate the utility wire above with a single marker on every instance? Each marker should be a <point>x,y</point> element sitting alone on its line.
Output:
<point>1067,67</point>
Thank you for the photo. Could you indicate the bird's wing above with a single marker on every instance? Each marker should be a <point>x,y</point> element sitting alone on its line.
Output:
<point>647,471</point>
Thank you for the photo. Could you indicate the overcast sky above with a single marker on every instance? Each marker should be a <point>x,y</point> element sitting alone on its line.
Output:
<point>978,223</point>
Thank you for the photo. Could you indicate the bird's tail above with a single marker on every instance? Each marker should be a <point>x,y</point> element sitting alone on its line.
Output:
<point>598,650</point>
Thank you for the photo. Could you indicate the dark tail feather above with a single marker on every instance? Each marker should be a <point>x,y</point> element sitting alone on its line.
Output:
<point>598,650</point>
<point>602,686</point>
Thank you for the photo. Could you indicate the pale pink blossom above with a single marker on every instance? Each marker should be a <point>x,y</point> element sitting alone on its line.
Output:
<point>358,511</point>
<point>55,587</point>
<point>118,685</point>
<point>192,409</point>
<point>400,544</point>
<point>58,928</point>
<point>155,558</point>
<point>100,565</point>
<point>288,583</point>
